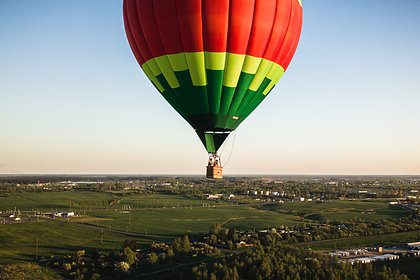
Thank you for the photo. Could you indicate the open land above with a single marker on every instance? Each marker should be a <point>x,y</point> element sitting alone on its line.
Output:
<point>106,212</point>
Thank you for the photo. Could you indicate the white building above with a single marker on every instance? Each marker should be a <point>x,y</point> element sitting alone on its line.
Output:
<point>386,257</point>
<point>340,254</point>
<point>214,196</point>
<point>363,260</point>
<point>414,246</point>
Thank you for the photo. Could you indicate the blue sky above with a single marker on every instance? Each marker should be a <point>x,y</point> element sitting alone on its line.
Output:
<point>73,99</point>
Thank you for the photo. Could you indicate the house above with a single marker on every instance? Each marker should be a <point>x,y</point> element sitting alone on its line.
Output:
<point>68,214</point>
<point>386,257</point>
<point>414,245</point>
<point>214,196</point>
<point>358,252</point>
<point>363,260</point>
<point>340,254</point>
<point>415,253</point>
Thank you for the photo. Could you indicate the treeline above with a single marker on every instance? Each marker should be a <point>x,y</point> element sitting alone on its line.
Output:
<point>225,253</point>
<point>347,229</point>
<point>294,188</point>
<point>279,261</point>
<point>196,187</point>
<point>26,271</point>
<point>130,260</point>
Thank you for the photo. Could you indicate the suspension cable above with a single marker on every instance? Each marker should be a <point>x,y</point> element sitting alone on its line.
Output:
<point>231,150</point>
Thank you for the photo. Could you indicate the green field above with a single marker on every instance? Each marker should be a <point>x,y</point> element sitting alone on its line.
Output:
<point>345,210</point>
<point>364,241</point>
<point>50,201</point>
<point>158,217</point>
<point>183,220</point>
<point>84,200</point>
<point>18,241</point>
<point>150,218</point>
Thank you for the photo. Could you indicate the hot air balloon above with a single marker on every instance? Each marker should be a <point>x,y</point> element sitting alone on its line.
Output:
<point>214,61</point>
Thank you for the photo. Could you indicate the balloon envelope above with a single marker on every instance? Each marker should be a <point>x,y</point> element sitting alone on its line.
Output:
<point>214,61</point>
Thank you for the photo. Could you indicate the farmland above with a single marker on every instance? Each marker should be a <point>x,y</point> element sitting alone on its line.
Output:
<point>364,241</point>
<point>368,210</point>
<point>151,218</point>
<point>105,219</point>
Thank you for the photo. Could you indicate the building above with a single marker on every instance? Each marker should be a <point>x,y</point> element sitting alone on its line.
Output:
<point>414,246</point>
<point>214,196</point>
<point>340,254</point>
<point>362,260</point>
<point>386,257</point>
<point>68,214</point>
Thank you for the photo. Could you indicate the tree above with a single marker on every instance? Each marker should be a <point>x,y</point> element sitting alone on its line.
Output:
<point>215,229</point>
<point>131,243</point>
<point>170,253</point>
<point>129,256</point>
<point>122,266</point>
<point>232,235</point>
<point>176,245</point>
<point>153,258</point>
<point>26,271</point>
<point>185,245</point>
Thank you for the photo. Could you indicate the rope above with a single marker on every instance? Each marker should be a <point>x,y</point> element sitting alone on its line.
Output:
<point>231,150</point>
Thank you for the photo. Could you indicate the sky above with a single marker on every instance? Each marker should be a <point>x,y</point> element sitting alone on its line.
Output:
<point>73,99</point>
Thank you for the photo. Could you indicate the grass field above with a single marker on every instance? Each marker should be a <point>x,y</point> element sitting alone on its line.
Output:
<point>50,201</point>
<point>83,200</point>
<point>183,220</point>
<point>161,217</point>
<point>369,210</point>
<point>167,216</point>
<point>18,241</point>
<point>364,241</point>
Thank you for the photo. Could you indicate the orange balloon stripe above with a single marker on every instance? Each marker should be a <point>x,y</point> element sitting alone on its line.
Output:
<point>190,24</point>
<point>293,49</point>
<point>264,15</point>
<point>279,30</point>
<point>136,30</point>
<point>167,24</point>
<point>241,15</point>
<point>215,25</point>
<point>148,25</point>
<point>130,37</point>
<point>292,34</point>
